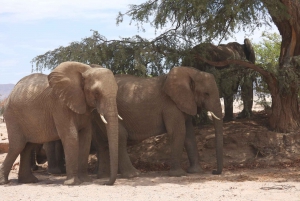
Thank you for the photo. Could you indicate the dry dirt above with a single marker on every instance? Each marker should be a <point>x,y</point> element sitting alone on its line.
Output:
<point>259,165</point>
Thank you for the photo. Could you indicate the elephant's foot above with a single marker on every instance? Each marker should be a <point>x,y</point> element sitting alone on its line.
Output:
<point>85,178</point>
<point>244,114</point>
<point>228,119</point>
<point>30,178</point>
<point>177,173</point>
<point>56,170</point>
<point>103,173</point>
<point>3,179</point>
<point>73,181</point>
<point>194,169</point>
<point>130,174</point>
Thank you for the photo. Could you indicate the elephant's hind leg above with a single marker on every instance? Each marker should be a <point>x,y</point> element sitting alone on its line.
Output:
<point>7,164</point>
<point>25,173</point>
<point>55,156</point>
<point>16,145</point>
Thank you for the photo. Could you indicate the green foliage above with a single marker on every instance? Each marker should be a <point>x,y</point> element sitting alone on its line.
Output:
<point>201,20</point>
<point>184,23</point>
<point>267,55</point>
<point>135,55</point>
<point>267,51</point>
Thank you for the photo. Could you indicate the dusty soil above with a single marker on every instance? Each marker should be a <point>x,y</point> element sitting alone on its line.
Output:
<point>259,165</point>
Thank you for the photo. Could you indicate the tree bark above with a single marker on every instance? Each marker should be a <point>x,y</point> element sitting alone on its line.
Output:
<point>285,112</point>
<point>285,115</point>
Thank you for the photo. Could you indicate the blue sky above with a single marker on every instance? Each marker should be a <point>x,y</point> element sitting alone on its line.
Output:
<point>33,27</point>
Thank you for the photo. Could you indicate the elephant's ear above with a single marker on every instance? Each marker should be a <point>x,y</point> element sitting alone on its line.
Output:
<point>178,86</point>
<point>66,82</point>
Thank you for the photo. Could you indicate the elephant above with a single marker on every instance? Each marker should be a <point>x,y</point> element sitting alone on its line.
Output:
<point>45,108</point>
<point>229,78</point>
<point>38,156</point>
<point>55,156</point>
<point>158,105</point>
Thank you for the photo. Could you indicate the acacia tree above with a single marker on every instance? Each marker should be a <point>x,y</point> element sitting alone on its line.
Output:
<point>187,23</point>
<point>198,20</point>
<point>134,55</point>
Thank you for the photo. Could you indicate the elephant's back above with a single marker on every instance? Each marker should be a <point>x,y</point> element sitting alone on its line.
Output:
<point>137,90</point>
<point>28,89</point>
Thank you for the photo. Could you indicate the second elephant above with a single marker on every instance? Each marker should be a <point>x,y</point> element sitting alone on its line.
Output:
<point>158,105</point>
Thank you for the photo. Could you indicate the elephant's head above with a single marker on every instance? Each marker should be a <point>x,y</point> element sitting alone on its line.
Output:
<point>83,88</point>
<point>192,90</point>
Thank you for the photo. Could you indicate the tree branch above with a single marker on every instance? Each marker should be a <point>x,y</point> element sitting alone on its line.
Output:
<point>269,77</point>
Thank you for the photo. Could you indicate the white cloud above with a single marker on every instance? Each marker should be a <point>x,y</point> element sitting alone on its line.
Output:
<point>31,10</point>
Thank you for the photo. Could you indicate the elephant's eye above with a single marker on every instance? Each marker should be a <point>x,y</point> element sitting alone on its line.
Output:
<point>206,94</point>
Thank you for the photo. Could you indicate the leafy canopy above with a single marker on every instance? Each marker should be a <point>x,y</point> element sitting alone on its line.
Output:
<point>267,51</point>
<point>184,24</point>
<point>199,20</point>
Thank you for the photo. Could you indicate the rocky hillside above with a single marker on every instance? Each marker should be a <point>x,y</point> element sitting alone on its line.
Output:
<point>5,90</point>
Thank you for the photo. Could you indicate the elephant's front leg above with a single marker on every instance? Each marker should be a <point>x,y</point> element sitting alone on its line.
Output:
<point>190,145</point>
<point>176,131</point>
<point>126,168</point>
<point>70,141</point>
<point>103,159</point>
<point>228,104</point>
<point>85,138</point>
<point>25,173</point>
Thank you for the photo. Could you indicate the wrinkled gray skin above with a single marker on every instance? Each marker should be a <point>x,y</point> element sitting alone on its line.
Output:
<point>45,108</point>
<point>228,79</point>
<point>55,156</point>
<point>157,105</point>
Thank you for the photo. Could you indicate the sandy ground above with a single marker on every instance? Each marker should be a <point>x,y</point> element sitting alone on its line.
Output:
<point>241,184</point>
<point>258,184</point>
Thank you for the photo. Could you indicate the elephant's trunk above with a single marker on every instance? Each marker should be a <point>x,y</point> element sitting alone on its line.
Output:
<point>219,142</point>
<point>111,117</point>
<point>218,124</point>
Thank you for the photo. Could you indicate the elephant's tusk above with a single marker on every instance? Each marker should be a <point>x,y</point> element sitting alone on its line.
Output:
<point>120,117</point>
<point>103,119</point>
<point>212,114</point>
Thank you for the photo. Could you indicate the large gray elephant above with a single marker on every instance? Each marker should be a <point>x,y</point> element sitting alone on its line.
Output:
<point>45,108</point>
<point>228,78</point>
<point>158,105</point>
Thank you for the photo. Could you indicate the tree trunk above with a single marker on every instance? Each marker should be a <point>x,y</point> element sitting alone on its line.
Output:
<point>284,86</point>
<point>285,115</point>
<point>285,112</point>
